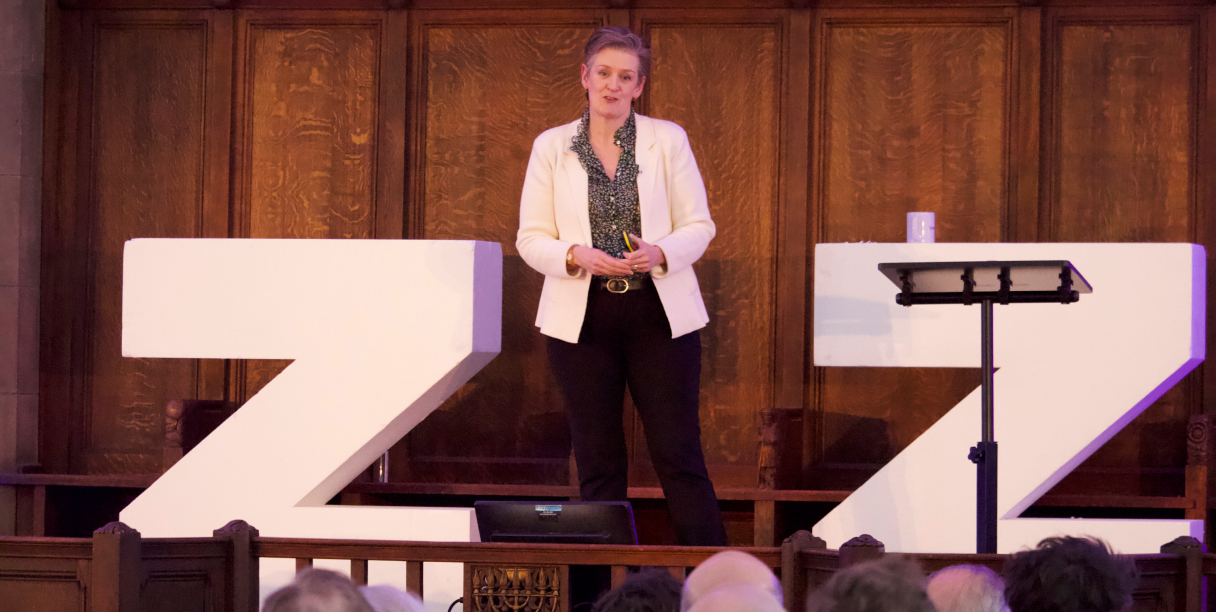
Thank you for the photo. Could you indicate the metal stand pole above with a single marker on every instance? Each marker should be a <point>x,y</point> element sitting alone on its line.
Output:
<point>984,453</point>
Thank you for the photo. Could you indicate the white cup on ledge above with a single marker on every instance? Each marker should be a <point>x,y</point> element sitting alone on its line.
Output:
<point>921,227</point>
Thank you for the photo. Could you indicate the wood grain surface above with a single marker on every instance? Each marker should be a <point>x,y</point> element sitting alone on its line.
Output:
<point>1124,148</point>
<point>147,163</point>
<point>721,83</point>
<point>871,414</point>
<point>913,119</point>
<point>489,92</point>
<point>310,110</point>
<point>1122,170</point>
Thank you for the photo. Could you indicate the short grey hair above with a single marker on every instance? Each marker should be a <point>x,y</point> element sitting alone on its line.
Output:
<point>967,588</point>
<point>890,584</point>
<point>317,590</point>
<point>618,37</point>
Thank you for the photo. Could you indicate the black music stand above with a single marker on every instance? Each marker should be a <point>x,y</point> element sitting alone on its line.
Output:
<point>986,282</point>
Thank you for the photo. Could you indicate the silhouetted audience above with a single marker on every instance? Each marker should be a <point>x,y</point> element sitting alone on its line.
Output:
<point>652,590</point>
<point>890,584</point>
<point>737,598</point>
<point>726,568</point>
<point>387,598</point>
<point>317,590</point>
<point>1069,574</point>
<point>967,588</point>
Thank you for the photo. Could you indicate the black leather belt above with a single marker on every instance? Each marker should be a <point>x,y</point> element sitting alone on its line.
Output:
<point>621,285</point>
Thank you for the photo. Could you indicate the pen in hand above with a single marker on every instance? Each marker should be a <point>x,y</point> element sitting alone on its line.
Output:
<point>628,244</point>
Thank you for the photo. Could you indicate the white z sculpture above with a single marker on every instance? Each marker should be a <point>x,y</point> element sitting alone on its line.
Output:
<point>1069,378</point>
<point>381,332</point>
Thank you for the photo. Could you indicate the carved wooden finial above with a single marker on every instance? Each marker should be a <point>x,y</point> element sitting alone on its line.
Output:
<point>117,527</point>
<point>174,410</point>
<point>804,540</point>
<point>1180,544</point>
<point>864,547</point>
<point>237,526</point>
<point>864,540</point>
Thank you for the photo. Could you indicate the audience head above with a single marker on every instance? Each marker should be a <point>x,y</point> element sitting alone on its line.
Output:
<point>737,598</point>
<point>967,588</point>
<point>317,590</point>
<point>728,567</point>
<point>386,598</point>
<point>652,590</point>
<point>890,584</point>
<point>1069,574</point>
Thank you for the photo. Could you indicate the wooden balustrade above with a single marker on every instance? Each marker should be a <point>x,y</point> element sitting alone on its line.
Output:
<point>488,567</point>
<point>119,571</point>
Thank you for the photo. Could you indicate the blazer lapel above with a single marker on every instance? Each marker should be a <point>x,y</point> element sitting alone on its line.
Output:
<point>576,178</point>
<point>648,170</point>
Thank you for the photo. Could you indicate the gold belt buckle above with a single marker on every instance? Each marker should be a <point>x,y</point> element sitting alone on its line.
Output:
<point>617,285</point>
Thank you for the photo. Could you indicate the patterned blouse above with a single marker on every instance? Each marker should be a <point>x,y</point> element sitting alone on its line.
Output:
<point>613,203</point>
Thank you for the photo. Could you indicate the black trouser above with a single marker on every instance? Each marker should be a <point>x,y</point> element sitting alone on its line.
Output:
<point>626,339</point>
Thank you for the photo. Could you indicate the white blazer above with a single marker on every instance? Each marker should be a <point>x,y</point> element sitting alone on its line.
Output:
<point>553,216</point>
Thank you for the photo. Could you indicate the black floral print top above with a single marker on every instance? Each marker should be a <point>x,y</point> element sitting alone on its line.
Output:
<point>613,203</point>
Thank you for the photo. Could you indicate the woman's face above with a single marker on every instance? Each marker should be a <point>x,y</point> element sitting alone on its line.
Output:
<point>612,82</point>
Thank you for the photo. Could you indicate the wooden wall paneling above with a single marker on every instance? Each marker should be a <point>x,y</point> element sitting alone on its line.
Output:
<point>485,84</point>
<point>721,75</point>
<point>60,249</point>
<point>1024,123</point>
<point>913,112</point>
<point>40,574</point>
<point>148,172</point>
<point>812,421</point>
<point>792,336</point>
<point>1206,187</point>
<point>1121,99</point>
<point>1205,128</point>
<point>1123,102</point>
<point>138,90</point>
<point>185,575</point>
<point>392,134</point>
<point>217,192</point>
<point>307,123</point>
<point>80,415</point>
<point>794,290</point>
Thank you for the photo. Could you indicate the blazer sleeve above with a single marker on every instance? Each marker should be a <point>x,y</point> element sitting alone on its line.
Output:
<point>692,228</point>
<point>538,240</point>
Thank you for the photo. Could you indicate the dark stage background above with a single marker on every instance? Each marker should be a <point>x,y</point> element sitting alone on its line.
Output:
<point>825,122</point>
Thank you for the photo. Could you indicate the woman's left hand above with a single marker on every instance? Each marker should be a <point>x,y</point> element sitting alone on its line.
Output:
<point>646,257</point>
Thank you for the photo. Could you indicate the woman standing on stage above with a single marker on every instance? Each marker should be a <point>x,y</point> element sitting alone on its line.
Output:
<point>614,213</point>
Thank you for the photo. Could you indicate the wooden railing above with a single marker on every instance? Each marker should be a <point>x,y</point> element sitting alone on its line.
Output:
<point>118,571</point>
<point>495,570</point>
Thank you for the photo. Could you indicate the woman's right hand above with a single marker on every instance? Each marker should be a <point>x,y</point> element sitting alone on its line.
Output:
<point>600,263</point>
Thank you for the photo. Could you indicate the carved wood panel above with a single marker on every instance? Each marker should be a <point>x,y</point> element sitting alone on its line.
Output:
<point>308,109</point>
<point>148,92</point>
<point>46,577</point>
<point>731,110</point>
<point>484,90</point>
<point>147,111</point>
<point>912,116</point>
<point>1121,167</point>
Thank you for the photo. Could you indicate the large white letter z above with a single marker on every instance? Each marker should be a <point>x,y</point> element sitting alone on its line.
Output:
<point>381,333</point>
<point>1069,378</point>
